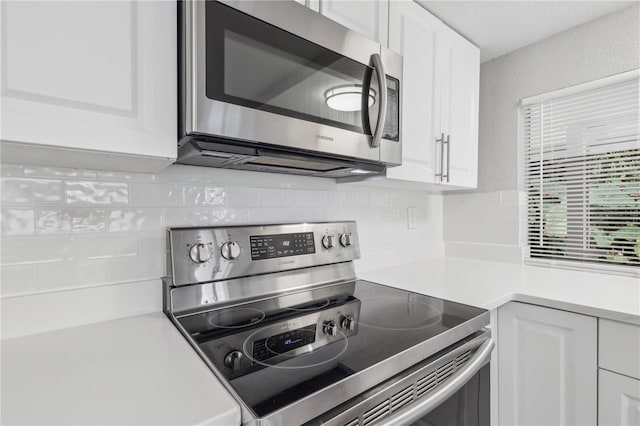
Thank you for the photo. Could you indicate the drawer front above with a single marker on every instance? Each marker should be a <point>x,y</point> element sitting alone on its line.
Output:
<point>619,347</point>
<point>618,399</point>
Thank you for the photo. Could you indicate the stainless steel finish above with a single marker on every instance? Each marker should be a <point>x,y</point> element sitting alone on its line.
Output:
<point>200,253</point>
<point>440,141</point>
<point>372,406</point>
<point>391,151</point>
<point>186,299</point>
<point>441,394</point>
<point>204,116</point>
<point>378,67</point>
<point>230,250</point>
<point>220,268</point>
<point>233,360</point>
<point>345,239</point>
<point>187,70</point>
<point>348,323</point>
<point>447,142</point>
<point>330,328</point>
<point>306,23</point>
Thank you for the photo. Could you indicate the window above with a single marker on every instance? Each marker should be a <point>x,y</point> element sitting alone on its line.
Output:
<point>582,174</point>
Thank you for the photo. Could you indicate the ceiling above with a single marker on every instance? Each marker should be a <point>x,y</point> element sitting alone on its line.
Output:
<point>499,27</point>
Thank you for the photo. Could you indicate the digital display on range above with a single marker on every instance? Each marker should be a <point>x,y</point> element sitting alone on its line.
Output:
<point>281,245</point>
<point>280,343</point>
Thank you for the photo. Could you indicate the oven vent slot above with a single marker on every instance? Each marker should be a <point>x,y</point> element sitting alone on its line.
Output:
<point>425,384</point>
<point>462,359</point>
<point>402,398</point>
<point>435,378</point>
<point>354,422</point>
<point>376,413</point>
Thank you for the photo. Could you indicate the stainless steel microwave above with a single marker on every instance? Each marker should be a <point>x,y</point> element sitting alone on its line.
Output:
<point>275,86</point>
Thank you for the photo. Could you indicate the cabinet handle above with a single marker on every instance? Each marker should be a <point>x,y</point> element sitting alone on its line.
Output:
<point>447,141</point>
<point>440,140</point>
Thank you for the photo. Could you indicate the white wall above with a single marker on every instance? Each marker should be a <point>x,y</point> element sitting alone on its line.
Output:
<point>603,47</point>
<point>81,246</point>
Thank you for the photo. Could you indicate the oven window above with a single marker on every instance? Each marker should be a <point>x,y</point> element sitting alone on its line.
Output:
<point>257,65</point>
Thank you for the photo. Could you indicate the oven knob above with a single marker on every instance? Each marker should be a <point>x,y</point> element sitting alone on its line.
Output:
<point>348,323</point>
<point>345,240</point>
<point>327,241</point>
<point>230,250</point>
<point>200,253</point>
<point>330,328</point>
<point>232,360</point>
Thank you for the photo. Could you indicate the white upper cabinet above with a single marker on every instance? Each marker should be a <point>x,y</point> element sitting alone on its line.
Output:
<point>439,99</point>
<point>413,33</point>
<point>90,84</point>
<point>457,80</point>
<point>367,17</point>
<point>311,4</point>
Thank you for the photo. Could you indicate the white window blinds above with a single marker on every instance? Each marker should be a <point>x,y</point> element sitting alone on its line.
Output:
<point>582,173</point>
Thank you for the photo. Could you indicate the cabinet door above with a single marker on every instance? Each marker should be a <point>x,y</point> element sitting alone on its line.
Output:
<point>547,366</point>
<point>413,32</point>
<point>311,4</point>
<point>90,83</point>
<point>457,116</point>
<point>367,17</point>
<point>618,399</point>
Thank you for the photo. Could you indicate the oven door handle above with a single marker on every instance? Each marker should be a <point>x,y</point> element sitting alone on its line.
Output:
<point>378,67</point>
<point>417,410</point>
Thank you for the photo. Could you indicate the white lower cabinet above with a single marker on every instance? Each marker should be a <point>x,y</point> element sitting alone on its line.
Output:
<point>618,399</point>
<point>619,374</point>
<point>547,366</point>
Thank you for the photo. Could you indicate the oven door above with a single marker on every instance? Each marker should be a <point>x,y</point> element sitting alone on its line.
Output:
<point>469,406</point>
<point>277,73</point>
<point>449,388</point>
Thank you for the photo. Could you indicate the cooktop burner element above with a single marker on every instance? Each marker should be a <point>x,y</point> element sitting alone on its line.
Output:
<point>401,314</point>
<point>292,337</point>
<point>317,304</point>
<point>236,317</point>
<point>415,315</point>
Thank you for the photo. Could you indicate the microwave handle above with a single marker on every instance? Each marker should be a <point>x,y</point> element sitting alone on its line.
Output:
<point>382,108</point>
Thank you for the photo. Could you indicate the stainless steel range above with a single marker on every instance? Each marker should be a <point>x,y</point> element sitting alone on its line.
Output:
<point>277,313</point>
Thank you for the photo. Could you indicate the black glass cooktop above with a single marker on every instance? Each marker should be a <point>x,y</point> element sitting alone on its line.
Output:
<point>308,341</point>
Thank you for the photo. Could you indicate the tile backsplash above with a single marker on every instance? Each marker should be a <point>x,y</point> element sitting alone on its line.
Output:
<point>68,229</point>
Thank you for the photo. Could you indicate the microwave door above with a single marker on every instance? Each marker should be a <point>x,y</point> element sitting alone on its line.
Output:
<point>261,84</point>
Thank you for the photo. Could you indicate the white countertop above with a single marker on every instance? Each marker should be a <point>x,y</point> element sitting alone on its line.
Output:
<point>491,284</point>
<point>140,370</point>
<point>137,370</point>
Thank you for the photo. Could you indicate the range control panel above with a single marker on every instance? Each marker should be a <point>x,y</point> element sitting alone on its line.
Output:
<point>205,254</point>
<point>281,245</point>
